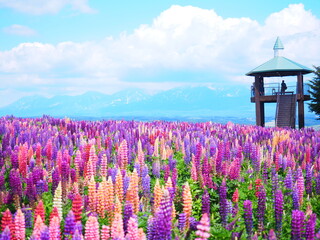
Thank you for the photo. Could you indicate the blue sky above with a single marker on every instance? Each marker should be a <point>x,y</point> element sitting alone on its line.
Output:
<point>74,46</point>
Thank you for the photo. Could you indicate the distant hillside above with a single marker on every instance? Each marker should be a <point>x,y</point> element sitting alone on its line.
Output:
<point>190,104</point>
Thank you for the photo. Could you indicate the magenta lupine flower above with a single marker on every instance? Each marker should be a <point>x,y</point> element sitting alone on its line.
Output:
<point>223,202</point>
<point>310,227</point>
<point>278,211</point>
<point>297,224</point>
<point>247,209</point>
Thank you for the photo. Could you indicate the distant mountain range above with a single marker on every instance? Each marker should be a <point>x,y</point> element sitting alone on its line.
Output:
<point>189,103</point>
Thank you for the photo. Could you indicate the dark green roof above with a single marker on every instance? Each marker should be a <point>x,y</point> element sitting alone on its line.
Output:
<point>279,66</point>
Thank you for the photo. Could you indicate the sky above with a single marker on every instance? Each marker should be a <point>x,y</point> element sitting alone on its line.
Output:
<point>69,47</point>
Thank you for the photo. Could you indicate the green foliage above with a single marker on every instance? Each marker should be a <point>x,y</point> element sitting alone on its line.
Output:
<point>314,91</point>
<point>47,199</point>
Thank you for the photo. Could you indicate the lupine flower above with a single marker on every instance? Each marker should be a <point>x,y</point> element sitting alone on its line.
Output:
<point>118,187</point>
<point>157,191</point>
<point>133,232</point>
<point>92,228</point>
<point>19,225</point>
<point>223,202</point>
<point>57,200</point>
<point>123,155</point>
<point>77,207</point>
<point>69,224</point>
<point>278,210</point>
<point>300,188</point>
<point>309,179</point>
<point>247,209</point>
<point>261,207</point>
<point>187,202</point>
<point>54,229</point>
<point>105,232</point>
<point>5,235</point>
<point>288,182</point>
<point>117,231</point>
<point>206,202</point>
<point>203,227</point>
<point>6,221</point>
<point>310,227</point>
<point>297,224</point>
<point>295,199</point>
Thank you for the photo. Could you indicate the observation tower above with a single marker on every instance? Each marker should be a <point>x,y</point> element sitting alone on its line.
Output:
<point>286,100</point>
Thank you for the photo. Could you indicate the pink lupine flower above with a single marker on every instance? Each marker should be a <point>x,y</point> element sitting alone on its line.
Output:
<point>54,229</point>
<point>19,226</point>
<point>117,231</point>
<point>133,232</point>
<point>92,229</point>
<point>203,228</point>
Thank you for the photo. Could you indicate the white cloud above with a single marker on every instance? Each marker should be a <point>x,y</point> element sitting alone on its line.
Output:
<point>21,30</point>
<point>39,7</point>
<point>179,39</point>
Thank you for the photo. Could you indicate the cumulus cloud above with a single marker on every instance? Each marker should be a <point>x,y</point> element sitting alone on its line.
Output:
<point>179,39</point>
<point>39,7</point>
<point>21,30</point>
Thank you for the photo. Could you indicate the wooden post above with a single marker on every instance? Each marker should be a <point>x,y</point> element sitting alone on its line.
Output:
<point>301,100</point>
<point>258,84</point>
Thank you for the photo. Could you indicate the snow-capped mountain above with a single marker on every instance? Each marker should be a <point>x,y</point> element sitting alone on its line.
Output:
<point>188,101</point>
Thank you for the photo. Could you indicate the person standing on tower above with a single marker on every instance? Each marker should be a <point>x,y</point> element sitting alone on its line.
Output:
<point>283,87</point>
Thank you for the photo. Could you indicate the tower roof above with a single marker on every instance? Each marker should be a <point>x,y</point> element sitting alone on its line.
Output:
<point>279,66</point>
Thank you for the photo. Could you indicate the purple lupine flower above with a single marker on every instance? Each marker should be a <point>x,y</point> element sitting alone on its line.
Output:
<point>156,168</point>
<point>161,227</point>
<point>265,174</point>
<point>261,207</point>
<point>206,203</point>
<point>310,227</point>
<point>172,162</point>
<point>247,209</point>
<point>295,199</point>
<point>144,171</point>
<point>278,211</point>
<point>318,184</point>
<point>223,202</point>
<point>126,182</point>
<point>70,223</point>
<point>44,235</point>
<point>5,235</point>
<point>30,189</point>
<point>28,217</point>
<point>15,182</point>
<point>297,224</point>
<point>78,227</point>
<point>127,213</point>
<point>288,181</point>
<point>55,179</point>
<point>2,181</point>
<point>193,223</point>
<point>146,185</point>
<point>309,179</point>
<point>182,221</point>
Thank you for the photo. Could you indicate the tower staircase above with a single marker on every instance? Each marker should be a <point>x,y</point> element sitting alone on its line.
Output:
<point>286,110</point>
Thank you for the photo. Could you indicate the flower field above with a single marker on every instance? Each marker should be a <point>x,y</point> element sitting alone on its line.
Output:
<point>65,179</point>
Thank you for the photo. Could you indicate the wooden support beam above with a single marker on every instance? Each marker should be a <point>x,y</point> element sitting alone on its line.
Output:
<point>300,101</point>
<point>258,85</point>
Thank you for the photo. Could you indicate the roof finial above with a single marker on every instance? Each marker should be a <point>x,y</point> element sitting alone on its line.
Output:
<point>277,46</point>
